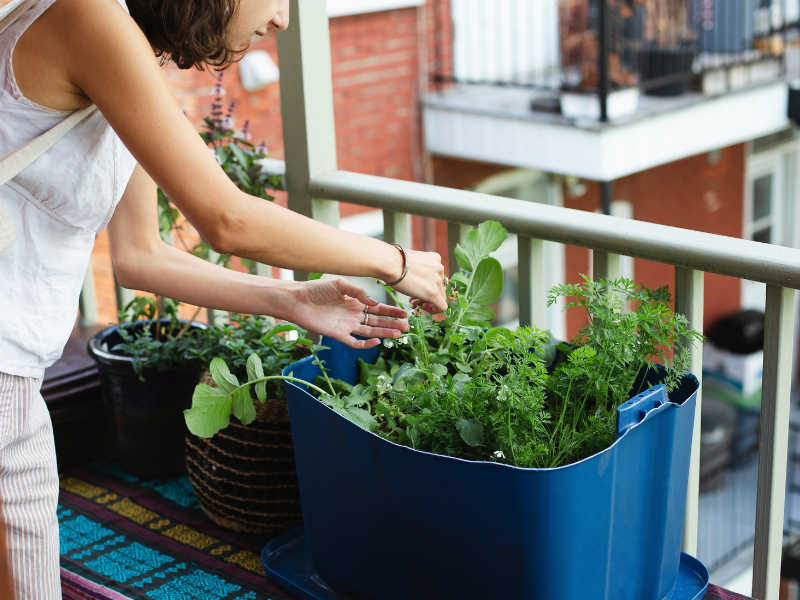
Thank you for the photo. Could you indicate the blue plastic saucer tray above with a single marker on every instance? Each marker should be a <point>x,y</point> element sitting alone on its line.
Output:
<point>287,563</point>
<point>387,522</point>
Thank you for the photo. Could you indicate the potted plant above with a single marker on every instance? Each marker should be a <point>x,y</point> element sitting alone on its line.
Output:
<point>579,32</point>
<point>245,478</point>
<point>668,48</point>
<point>147,373</point>
<point>472,462</point>
<point>241,160</point>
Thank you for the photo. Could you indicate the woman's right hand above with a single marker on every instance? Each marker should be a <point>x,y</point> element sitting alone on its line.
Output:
<point>424,283</point>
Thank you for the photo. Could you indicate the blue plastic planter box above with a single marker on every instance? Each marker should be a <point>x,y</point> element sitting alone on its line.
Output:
<point>386,522</point>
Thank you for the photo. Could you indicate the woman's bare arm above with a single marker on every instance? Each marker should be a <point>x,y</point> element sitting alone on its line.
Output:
<point>143,261</point>
<point>107,58</point>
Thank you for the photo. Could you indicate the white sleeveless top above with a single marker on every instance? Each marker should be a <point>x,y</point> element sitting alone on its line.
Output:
<point>80,179</point>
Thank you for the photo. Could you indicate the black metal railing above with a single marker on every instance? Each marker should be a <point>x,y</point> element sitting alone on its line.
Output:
<point>599,46</point>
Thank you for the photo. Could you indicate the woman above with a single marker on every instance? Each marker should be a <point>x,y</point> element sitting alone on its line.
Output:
<point>64,55</point>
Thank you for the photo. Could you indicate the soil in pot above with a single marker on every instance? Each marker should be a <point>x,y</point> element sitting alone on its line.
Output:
<point>146,417</point>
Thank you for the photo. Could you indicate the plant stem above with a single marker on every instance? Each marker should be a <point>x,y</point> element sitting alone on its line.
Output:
<point>324,372</point>
<point>461,311</point>
<point>563,411</point>
<point>186,327</point>
<point>284,377</point>
<point>158,317</point>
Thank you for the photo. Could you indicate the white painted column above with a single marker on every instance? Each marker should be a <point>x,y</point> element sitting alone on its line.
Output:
<point>309,134</point>
<point>773,445</point>
<point>606,266</point>
<point>689,303</point>
<point>532,285</point>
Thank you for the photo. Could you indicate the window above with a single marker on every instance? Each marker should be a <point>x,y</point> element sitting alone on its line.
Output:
<point>770,205</point>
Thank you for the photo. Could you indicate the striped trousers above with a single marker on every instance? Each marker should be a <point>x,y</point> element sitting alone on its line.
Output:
<point>29,489</point>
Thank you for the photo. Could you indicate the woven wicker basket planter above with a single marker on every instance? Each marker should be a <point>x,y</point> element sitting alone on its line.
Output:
<point>245,476</point>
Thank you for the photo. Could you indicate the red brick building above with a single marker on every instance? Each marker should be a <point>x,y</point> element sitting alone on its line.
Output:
<point>382,64</point>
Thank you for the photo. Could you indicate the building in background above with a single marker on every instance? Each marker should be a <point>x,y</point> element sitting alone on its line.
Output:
<point>506,101</point>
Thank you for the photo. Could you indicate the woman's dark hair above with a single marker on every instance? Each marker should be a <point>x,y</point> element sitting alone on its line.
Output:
<point>190,33</point>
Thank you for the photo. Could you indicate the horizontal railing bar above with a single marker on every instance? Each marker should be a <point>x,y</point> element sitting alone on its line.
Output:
<point>767,263</point>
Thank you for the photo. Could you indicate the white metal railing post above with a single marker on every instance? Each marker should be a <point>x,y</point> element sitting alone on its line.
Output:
<point>309,133</point>
<point>532,292</point>
<point>456,233</point>
<point>606,266</point>
<point>773,445</point>
<point>395,228</point>
<point>689,303</point>
<point>396,231</point>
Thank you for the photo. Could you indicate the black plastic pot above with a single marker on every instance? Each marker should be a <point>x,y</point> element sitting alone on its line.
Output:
<point>675,66</point>
<point>145,417</point>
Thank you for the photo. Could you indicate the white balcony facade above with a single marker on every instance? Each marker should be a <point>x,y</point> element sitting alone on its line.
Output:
<point>497,125</point>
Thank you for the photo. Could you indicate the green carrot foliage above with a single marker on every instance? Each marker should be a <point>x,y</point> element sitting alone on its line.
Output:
<point>454,385</point>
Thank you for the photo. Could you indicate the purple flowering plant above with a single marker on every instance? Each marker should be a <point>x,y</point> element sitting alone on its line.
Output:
<point>238,157</point>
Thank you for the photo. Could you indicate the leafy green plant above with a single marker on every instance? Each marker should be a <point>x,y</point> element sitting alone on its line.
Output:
<point>173,345</point>
<point>277,345</point>
<point>457,387</point>
<point>212,406</point>
<point>153,335</point>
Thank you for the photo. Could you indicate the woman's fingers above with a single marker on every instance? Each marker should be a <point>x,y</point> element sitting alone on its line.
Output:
<point>352,290</point>
<point>384,310</point>
<point>392,327</point>
<point>349,340</point>
<point>377,332</point>
<point>376,314</point>
<point>426,306</point>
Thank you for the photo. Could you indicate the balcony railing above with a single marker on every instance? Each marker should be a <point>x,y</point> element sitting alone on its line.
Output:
<point>315,185</point>
<point>601,46</point>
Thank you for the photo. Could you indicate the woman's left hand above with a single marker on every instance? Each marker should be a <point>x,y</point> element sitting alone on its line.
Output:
<point>337,308</point>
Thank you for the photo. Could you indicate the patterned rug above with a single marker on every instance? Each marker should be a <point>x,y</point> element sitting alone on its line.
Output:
<point>124,537</point>
<point>717,593</point>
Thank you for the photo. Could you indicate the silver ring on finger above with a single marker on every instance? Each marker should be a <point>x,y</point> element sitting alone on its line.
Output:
<point>366,318</point>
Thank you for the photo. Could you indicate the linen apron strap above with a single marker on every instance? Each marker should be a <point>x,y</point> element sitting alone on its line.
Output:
<point>14,161</point>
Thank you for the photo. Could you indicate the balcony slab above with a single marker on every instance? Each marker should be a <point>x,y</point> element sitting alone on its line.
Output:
<point>497,125</point>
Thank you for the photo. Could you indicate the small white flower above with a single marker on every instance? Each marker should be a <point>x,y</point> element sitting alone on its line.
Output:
<point>388,343</point>
<point>499,454</point>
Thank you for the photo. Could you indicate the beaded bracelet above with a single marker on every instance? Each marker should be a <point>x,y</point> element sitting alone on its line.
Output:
<point>405,265</point>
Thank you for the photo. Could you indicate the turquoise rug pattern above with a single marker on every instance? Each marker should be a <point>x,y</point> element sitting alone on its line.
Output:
<point>125,537</point>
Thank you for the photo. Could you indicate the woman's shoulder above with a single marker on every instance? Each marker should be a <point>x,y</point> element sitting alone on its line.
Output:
<point>70,38</point>
<point>86,21</point>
